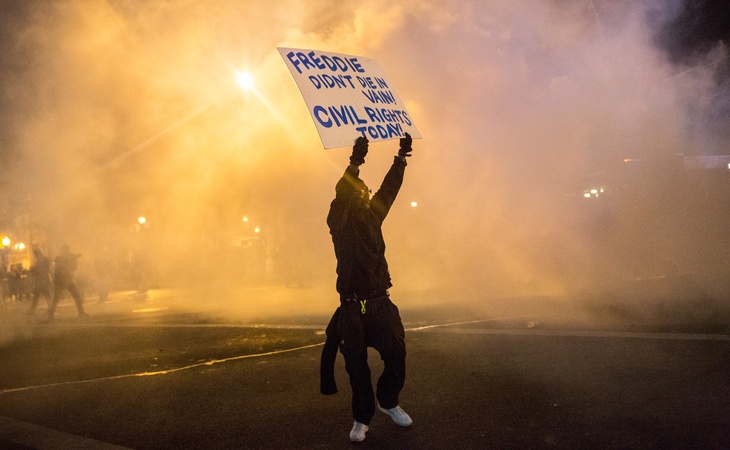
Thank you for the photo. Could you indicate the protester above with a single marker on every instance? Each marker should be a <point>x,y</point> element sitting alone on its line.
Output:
<point>366,316</point>
<point>40,273</point>
<point>63,280</point>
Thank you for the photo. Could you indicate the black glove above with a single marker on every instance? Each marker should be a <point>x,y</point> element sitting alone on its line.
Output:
<point>405,146</point>
<point>359,150</point>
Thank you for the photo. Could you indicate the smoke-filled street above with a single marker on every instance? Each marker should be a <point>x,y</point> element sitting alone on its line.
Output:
<point>521,373</point>
<point>188,191</point>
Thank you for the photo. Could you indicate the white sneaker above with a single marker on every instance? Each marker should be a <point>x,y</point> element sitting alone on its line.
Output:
<point>357,434</point>
<point>398,415</point>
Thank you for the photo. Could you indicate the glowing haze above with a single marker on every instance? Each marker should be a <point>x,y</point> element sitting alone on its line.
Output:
<point>115,109</point>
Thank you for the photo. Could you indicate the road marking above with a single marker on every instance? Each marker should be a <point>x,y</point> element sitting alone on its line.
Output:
<point>152,309</point>
<point>161,372</point>
<point>435,328</point>
<point>451,327</point>
<point>35,436</point>
<point>285,326</point>
<point>592,334</point>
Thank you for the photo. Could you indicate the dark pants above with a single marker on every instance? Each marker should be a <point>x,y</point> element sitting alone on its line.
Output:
<point>58,289</point>
<point>40,289</point>
<point>379,327</point>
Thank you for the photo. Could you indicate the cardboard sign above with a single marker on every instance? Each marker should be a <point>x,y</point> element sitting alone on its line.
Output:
<point>348,97</point>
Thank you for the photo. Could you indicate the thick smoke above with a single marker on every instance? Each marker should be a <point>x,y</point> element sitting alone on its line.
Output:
<point>116,109</point>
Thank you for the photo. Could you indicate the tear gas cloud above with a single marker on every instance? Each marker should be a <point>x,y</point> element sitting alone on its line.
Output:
<point>115,109</point>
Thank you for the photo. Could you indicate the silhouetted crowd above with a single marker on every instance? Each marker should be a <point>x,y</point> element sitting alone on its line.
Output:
<point>17,283</point>
<point>51,279</point>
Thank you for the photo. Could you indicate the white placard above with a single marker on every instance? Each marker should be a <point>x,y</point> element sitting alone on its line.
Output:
<point>348,96</point>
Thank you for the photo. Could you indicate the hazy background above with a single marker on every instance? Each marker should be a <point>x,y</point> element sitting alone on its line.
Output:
<point>116,109</point>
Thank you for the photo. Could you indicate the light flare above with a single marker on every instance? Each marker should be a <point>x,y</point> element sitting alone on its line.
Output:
<point>245,81</point>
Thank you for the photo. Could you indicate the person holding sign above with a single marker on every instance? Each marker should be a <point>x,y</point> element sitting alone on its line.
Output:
<point>366,316</point>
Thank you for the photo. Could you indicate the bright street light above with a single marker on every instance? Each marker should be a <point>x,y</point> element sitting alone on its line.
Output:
<point>244,81</point>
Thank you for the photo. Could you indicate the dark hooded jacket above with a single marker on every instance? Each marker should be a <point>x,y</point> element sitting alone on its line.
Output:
<point>360,249</point>
<point>356,232</point>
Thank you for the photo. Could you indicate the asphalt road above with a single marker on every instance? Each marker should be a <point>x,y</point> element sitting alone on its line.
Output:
<point>160,373</point>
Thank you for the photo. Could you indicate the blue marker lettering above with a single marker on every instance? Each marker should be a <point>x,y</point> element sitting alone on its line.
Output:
<point>317,111</point>
<point>316,61</point>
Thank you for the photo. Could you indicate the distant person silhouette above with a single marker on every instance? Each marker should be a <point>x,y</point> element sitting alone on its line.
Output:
<point>63,280</point>
<point>40,274</point>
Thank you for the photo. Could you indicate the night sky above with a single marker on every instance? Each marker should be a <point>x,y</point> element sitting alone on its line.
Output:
<point>700,25</point>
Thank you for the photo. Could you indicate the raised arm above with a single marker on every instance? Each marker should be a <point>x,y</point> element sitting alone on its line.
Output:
<point>384,198</point>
